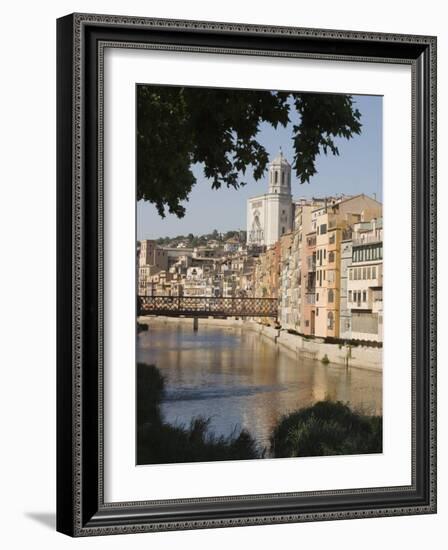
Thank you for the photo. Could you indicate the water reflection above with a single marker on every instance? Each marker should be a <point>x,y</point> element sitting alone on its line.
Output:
<point>241,380</point>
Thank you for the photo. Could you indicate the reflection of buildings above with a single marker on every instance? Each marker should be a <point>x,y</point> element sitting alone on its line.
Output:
<point>320,257</point>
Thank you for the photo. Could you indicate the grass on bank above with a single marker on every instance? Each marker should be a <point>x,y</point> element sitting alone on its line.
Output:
<point>326,428</point>
<point>159,442</point>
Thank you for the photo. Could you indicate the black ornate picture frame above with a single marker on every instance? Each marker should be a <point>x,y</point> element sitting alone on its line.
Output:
<point>81,508</point>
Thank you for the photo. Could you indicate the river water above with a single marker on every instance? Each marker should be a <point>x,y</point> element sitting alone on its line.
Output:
<point>239,379</point>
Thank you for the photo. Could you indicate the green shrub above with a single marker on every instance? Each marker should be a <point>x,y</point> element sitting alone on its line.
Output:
<point>326,428</point>
<point>159,442</point>
<point>164,443</point>
<point>150,389</point>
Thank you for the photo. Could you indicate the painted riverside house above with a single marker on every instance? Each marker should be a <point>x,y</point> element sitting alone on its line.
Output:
<point>320,258</point>
<point>317,295</point>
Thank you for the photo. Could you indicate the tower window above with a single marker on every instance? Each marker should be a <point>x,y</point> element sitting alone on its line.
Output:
<point>283,178</point>
<point>276,177</point>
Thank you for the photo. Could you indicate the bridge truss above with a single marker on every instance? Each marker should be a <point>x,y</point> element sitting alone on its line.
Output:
<point>203,306</point>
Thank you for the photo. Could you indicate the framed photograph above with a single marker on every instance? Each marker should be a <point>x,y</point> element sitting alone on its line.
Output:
<point>246,274</point>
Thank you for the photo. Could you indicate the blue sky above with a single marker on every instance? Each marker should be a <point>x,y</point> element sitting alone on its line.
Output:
<point>357,169</point>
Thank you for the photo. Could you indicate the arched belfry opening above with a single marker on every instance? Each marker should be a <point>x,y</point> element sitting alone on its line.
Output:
<point>280,175</point>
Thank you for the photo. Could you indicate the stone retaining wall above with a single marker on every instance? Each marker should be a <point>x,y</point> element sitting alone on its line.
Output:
<point>357,356</point>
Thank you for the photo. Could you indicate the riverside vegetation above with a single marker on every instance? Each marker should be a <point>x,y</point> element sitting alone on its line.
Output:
<point>325,428</point>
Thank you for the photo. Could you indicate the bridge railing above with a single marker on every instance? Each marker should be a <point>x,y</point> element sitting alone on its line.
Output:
<point>204,305</point>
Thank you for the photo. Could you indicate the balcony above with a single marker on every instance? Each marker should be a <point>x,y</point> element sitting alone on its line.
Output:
<point>311,263</point>
<point>346,234</point>
<point>311,282</point>
<point>310,298</point>
<point>359,304</point>
<point>367,239</point>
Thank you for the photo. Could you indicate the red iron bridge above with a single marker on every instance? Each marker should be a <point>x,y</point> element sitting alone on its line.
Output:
<point>203,306</point>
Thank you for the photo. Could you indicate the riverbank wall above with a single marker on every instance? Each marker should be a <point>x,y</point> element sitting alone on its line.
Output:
<point>314,348</point>
<point>363,357</point>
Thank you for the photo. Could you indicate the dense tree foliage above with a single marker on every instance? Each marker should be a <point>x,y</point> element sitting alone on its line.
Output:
<point>201,240</point>
<point>178,127</point>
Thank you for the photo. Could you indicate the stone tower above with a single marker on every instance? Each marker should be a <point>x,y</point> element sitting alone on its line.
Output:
<point>280,176</point>
<point>270,216</point>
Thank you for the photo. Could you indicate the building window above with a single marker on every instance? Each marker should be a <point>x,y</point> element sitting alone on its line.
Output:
<point>349,295</point>
<point>331,257</point>
<point>317,312</point>
<point>325,253</point>
<point>364,273</point>
<point>283,178</point>
<point>350,274</point>
<point>283,230</point>
<point>364,296</point>
<point>330,320</point>
<point>373,272</point>
<point>323,229</point>
<point>331,296</point>
<point>276,177</point>
<point>369,273</point>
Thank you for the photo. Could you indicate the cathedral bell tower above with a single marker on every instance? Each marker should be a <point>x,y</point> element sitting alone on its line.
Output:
<point>270,216</point>
<point>280,175</point>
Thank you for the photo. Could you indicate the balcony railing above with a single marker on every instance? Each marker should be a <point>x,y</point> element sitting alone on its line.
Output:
<point>311,263</point>
<point>367,239</point>
<point>310,298</point>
